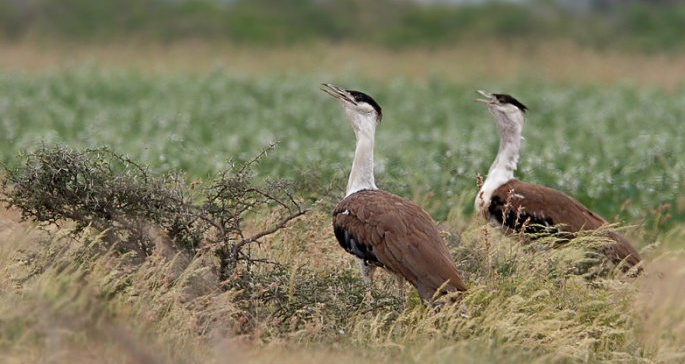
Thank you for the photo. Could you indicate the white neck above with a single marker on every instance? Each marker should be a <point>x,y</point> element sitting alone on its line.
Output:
<point>502,169</point>
<point>361,175</point>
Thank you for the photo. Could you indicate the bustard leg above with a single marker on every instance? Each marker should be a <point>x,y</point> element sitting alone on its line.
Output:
<point>367,275</point>
<point>400,287</point>
<point>366,270</point>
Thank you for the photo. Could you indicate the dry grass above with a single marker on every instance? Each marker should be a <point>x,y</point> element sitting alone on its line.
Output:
<point>556,62</point>
<point>659,302</point>
<point>72,300</point>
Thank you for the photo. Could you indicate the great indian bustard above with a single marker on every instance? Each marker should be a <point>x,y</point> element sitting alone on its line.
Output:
<point>517,205</point>
<point>381,229</point>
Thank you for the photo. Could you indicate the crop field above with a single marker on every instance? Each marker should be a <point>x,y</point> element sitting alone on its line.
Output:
<point>617,146</point>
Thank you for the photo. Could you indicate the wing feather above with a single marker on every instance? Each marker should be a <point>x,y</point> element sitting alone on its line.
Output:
<point>518,205</point>
<point>401,236</point>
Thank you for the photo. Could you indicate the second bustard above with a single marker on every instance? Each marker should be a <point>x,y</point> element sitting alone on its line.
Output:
<point>517,205</point>
<point>381,229</point>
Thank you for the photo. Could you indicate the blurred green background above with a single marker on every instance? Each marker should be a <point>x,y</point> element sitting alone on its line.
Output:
<point>629,25</point>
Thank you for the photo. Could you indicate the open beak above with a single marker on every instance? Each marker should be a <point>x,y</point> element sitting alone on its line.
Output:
<point>338,93</point>
<point>489,98</point>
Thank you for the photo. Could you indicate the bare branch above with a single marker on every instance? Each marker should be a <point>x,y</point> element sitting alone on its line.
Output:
<point>281,224</point>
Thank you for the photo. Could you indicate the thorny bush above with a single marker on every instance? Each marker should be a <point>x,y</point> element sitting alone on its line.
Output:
<point>138,209</point>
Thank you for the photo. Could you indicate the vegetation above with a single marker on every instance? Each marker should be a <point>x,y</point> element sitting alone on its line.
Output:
<point>640,26</point>
<point>84,297</point>
<point>140,211</point>
<point>110,165</point>
<point>616,148</point>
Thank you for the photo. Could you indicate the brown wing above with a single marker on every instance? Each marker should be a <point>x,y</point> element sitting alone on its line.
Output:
<point>622,252</point>
<point>542,205</point>
<point>392,232</point>
<point>516,202</point>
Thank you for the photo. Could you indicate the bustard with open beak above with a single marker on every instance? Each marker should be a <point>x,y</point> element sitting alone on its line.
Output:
<point>517,205</point>
<point>381,229</point>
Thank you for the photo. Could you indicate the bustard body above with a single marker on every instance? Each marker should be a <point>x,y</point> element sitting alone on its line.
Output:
<point>516,205</point>
<point>381,229</point>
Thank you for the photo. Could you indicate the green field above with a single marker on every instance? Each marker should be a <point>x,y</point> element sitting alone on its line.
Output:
<point>618,147</point>
<point>609,146</point>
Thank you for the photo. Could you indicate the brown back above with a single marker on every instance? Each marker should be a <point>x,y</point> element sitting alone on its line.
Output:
<point>400,236</point>
<point>515,202</point>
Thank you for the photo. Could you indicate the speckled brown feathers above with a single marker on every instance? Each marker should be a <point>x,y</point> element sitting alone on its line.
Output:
<point>395,233</point>
<point>518,205</point>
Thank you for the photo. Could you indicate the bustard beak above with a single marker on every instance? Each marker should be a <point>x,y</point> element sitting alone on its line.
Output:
<point>489,98</point>
<point>338,93</point>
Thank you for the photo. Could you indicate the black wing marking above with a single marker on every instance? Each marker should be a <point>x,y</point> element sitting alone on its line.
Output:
<point>353,246</point>
<point>517,220</point>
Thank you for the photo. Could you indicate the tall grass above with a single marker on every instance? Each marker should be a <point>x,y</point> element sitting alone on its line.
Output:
<point>74,299</point>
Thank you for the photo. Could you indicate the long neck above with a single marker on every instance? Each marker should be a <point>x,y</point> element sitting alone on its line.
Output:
<point>502,169</point>
<point>361,175</point>
<point>508,155</point>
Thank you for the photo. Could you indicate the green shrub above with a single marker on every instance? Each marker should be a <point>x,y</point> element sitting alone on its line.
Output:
<point>104,190</point>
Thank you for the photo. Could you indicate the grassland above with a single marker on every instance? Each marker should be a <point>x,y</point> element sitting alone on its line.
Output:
<point>611,144</point>
<point>613,140</point>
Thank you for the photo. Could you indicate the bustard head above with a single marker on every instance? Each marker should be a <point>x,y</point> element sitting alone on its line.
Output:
<point>509,112</point>
<point>362,110</point>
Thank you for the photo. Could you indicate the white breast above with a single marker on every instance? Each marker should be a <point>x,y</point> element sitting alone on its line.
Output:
<point>494,181</point>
